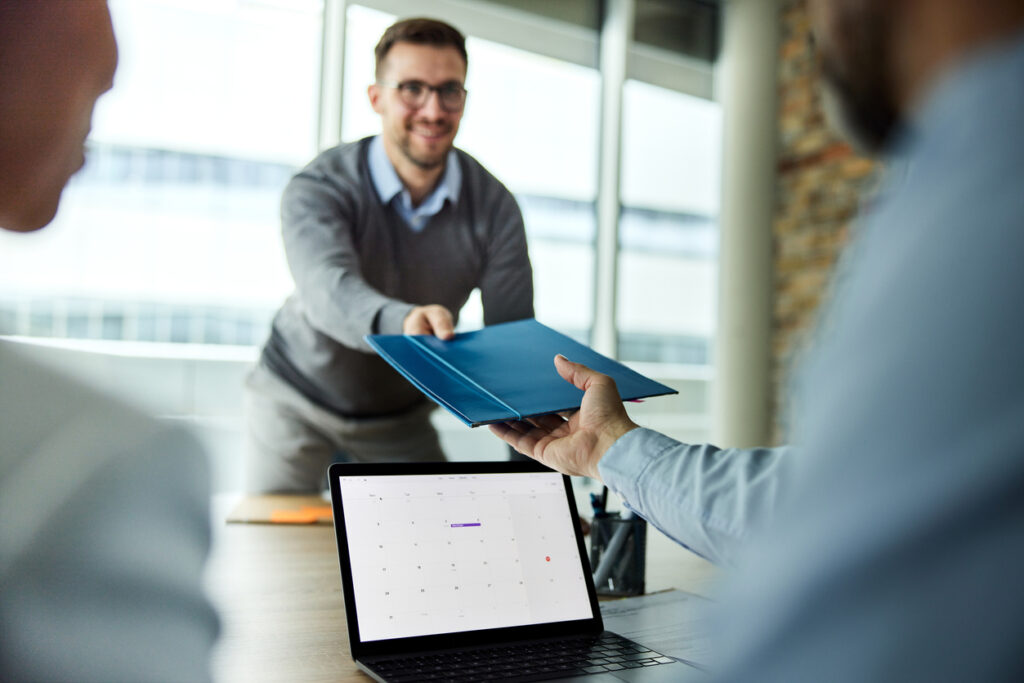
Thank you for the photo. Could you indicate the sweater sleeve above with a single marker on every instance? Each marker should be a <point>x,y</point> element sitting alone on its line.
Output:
<point>506,282</point>
<point>318,230</point>
<point>705,498</point>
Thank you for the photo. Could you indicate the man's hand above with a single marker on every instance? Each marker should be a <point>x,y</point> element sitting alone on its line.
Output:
<point>573,446</point>
<point>433,319</point>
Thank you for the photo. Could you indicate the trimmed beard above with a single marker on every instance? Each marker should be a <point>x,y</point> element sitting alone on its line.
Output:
<point>866,119</point>
<point>858,93</point>
<point>419,162</point>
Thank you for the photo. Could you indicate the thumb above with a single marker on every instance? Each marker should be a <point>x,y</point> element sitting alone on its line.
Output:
<point>577,374</point>
<point>441,322</point>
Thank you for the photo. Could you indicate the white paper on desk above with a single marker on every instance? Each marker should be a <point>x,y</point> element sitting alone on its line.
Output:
<point>669,622</point>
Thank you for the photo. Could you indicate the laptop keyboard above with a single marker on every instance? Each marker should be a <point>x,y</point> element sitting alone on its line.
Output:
<point>535,661</point>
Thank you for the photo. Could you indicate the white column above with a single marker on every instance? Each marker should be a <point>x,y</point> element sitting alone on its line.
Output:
<point>616,34</point>
<point>742,389</point>
<point>332,73</point>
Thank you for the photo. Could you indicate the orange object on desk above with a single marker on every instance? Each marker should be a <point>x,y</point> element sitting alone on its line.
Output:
<point>281,509</point>
<point>306,515</point>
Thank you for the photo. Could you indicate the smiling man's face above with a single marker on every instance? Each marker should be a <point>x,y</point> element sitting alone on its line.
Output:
<point>422,136</point>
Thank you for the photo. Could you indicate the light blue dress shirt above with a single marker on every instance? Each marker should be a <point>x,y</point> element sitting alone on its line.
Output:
<point>391,190</point>
<point>104,538</point>
<point>888,544</point>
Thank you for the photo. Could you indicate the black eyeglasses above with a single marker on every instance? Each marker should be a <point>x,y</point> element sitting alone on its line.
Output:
<point>414,94</point>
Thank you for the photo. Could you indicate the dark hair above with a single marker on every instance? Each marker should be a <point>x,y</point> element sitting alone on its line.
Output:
<point>421,31</point>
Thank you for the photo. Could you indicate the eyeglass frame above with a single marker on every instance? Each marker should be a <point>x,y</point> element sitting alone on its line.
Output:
<point>428,89</point>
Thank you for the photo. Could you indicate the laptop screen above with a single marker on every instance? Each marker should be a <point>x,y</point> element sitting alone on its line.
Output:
<point>452,552</point>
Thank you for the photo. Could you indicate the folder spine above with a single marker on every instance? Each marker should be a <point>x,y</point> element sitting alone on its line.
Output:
<point>461,375</point>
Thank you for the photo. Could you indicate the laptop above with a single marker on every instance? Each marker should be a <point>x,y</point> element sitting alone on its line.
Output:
<point>474,571</point>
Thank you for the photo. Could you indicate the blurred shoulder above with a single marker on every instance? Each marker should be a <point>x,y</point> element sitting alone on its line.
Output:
<point>61,434</point>
<point>478,179</point>
<point>342,165</point>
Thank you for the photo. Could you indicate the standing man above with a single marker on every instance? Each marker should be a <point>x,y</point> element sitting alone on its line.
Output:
<point>888,543</point>
<point>104,512</point>
<point>387,235</point>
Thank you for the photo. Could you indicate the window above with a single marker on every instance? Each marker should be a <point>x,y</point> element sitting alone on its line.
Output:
<point>668,249</point>
<point>170,231</point>
<point>668,237</point>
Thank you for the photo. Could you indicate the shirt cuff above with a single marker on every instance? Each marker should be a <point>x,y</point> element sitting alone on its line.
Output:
<point>390,317</point>
<point>623,465</point>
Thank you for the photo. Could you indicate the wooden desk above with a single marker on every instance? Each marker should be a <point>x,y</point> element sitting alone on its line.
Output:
<point>278,589</point>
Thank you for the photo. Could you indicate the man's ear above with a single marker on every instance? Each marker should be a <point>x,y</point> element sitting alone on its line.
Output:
<point>374,93</point>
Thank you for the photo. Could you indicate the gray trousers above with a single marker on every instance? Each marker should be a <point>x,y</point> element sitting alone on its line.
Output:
<point>291,441</point>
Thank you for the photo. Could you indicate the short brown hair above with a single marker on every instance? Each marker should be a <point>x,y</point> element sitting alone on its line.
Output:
<point>421,31</point>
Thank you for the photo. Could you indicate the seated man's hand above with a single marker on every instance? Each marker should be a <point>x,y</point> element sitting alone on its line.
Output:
<point>573,446</point>
<point>433,319</point>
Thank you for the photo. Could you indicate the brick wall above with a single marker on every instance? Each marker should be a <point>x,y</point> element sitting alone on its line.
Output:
<point>820,182</point>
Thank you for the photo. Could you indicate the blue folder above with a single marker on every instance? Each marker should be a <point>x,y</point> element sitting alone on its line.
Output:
<point>503,372</point>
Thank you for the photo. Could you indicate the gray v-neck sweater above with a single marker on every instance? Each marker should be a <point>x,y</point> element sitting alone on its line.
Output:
<point>359,269</point>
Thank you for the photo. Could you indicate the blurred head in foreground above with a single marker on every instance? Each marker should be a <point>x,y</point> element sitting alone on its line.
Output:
<point>56,59</point>
<point>880,57</point>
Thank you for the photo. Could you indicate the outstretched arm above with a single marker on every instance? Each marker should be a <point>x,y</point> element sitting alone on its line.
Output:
<point>319,231</point>
<point>703,497</point>
<point>573,446</point>
<point>506,281</point>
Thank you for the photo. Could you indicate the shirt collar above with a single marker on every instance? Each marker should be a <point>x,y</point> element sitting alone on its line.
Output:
<point>388,184</point>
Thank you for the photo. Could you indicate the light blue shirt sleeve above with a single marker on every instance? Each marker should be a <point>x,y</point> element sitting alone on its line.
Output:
<point>705,498</point>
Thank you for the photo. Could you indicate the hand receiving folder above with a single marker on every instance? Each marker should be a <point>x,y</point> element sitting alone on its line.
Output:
<point>503,372</point>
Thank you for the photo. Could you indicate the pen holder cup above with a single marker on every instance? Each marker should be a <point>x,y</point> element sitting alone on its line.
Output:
<point>618,548</point>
